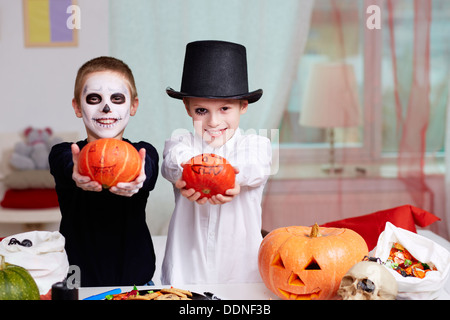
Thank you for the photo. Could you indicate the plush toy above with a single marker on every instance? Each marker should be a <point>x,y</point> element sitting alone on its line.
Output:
<point>32,153</point>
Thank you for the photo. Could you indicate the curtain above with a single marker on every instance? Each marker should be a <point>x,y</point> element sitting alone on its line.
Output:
<point>447,164</point>
<point>398,68</point>
<point>413,119</point>
<point>151,35</point>
<point>415,102</point>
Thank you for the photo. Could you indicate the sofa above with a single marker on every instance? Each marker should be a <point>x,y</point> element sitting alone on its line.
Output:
<point>20,214</point>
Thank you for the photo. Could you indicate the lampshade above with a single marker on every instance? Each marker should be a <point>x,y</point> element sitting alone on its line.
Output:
<point>331,97</point>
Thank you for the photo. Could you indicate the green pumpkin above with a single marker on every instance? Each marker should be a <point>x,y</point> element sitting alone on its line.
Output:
<point>16,283</point>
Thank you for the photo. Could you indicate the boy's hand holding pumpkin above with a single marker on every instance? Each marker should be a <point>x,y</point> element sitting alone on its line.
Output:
<point>196,196</point>
<point>83,182</point>
<point>229,194</point>
<point>127,189</point>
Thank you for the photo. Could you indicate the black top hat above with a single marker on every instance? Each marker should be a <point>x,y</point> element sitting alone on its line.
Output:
<point>215,70</point>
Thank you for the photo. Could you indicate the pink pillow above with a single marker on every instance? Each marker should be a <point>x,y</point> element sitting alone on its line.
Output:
<point>371,225</point>
<point>30,199</point>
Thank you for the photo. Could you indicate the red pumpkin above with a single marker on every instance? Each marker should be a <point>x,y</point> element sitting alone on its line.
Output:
<point>109,161</point>
<point>304,263</point>
<point>209,174</point>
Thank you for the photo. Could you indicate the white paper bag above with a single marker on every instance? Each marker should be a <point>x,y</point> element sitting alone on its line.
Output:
<point>46,259</point>
<point>424,250</point>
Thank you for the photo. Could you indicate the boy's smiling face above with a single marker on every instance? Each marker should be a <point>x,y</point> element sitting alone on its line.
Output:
<point>105,105</point>
<point>216,120</point>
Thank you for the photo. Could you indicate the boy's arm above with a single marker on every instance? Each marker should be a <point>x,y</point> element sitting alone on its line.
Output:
<point>177,150</point>
<point>63,160</point>
<point>255,160</point>
<point>61,163</point>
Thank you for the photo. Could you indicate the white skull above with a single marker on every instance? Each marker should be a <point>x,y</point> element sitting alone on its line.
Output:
<point>368,280</point>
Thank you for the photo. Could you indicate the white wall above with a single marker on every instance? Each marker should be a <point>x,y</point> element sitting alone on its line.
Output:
<point>36,84</point>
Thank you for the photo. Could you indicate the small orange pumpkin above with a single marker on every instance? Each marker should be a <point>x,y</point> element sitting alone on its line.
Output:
<point>209,174</point>
<point>308,263</point>
<point>109,161</point>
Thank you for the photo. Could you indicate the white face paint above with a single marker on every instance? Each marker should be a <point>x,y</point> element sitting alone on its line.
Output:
<point>105,105</point>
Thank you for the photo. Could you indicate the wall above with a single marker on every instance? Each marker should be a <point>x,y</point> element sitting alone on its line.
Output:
<point>307,201</point>
<point>36,84</point>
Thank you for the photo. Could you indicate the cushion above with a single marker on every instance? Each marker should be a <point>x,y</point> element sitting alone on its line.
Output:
<point>29,179</point>
<point>30,199</point>
<point>371,225</point>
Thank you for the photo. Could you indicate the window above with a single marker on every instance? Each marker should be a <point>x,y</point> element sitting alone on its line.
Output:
<point>338,34</point>
<point>336,37</point>
<point>439,71</point>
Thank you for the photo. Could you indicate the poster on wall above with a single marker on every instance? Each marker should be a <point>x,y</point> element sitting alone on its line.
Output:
<point>50,23</point>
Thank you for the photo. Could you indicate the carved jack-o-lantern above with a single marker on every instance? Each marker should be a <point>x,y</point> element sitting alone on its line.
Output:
<point>209,174</point>
<point>305,263</point>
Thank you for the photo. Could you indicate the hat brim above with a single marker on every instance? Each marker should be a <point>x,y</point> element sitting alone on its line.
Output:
<point>250,96</point>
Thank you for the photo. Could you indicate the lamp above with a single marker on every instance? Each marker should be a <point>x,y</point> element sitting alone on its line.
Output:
<point>331,101</point>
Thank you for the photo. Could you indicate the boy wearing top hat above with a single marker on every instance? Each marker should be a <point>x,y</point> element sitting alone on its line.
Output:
<point>216,240</point>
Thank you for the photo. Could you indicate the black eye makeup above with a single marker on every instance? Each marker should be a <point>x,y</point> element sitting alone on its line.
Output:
<point>93,98</point>
<point>201,111</point>
<point>118,98</point>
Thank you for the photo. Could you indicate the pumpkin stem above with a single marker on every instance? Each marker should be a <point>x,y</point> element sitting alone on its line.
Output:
<point>315,231</point>
<point>2,262</point>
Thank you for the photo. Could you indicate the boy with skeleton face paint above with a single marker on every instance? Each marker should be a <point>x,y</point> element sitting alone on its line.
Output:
<point>106,105</point>
<point>105,97</point>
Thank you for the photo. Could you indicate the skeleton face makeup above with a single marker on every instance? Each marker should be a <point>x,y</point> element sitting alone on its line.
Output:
<point>106,105</point>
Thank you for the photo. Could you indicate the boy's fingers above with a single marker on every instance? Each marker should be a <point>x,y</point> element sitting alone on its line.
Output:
<point>142,153</point>
<point>179,184</point>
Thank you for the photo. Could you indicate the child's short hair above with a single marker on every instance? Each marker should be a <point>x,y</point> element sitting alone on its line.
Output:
<point>104,64</point>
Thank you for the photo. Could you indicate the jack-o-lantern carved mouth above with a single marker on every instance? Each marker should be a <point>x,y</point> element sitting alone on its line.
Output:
<point>298,296</point>
<point>295,280</point>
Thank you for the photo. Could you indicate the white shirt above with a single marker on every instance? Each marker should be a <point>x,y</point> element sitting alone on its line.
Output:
<point>216,243</point>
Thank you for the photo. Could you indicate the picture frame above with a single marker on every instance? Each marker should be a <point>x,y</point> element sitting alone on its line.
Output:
<point>51,23</point>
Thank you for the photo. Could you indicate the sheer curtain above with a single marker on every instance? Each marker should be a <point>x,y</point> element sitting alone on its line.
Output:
<point>413,118</point>
<point>420,73</point>
<point>398,70</point>
<point>447,163</point>
<point>151,35</point>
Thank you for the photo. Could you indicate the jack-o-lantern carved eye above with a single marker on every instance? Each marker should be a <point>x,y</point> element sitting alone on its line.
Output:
<point>313,265</point>
<point>278,262</point>
<point>294,278</point>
